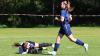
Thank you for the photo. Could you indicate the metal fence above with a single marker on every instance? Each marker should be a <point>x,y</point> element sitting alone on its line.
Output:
<point>30,20</point>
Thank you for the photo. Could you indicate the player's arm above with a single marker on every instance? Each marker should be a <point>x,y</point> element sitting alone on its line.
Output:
<point>25,51</point>
<point>36,45</point>
<point>27,46</point>
<point>61,19</point>
<point>62,16</point>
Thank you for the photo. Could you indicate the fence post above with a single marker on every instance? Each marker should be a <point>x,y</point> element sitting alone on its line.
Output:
<point>53,10</point>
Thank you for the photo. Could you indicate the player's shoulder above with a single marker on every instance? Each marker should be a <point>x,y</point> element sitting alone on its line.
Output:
<point>63,11</point>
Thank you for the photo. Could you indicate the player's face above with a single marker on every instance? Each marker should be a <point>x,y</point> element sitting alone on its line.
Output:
<point>63,4</point>
<point>25,45</point>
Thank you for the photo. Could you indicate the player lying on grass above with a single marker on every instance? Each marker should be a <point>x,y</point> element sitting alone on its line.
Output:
<point>29,47</point>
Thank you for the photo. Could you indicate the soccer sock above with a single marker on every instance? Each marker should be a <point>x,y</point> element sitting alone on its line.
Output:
<point>56,46</point>
<point>79,42</point>
<point>45,44</point>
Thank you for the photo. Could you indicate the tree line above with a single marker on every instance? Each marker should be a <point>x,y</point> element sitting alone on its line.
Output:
<point>46,6</point>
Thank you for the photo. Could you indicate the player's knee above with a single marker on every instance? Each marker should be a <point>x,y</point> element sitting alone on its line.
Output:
<point>71,38</point>
<point>58,40</point>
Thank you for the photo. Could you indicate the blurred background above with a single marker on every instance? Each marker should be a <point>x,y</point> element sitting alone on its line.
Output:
<point>41,13</point>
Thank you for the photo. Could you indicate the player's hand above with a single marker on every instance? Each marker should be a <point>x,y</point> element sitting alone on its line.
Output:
<point>24,53</point>
<point>56,18</point>
<point>70,18</point>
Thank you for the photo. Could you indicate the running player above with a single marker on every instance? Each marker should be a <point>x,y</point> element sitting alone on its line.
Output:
<point>65,18</point>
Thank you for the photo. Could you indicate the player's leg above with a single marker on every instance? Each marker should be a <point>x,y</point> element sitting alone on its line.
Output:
<point>78,41</point>
<point>58,40</point>
<point>45,44</point>
<point>57,44</point>
<point>36,45</point>
<point>73,39</point>
<point>68,33</point>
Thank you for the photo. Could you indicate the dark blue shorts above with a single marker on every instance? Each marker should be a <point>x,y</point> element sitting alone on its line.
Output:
<point>65,30</point>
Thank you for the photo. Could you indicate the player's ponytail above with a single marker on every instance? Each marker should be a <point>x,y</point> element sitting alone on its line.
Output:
<point>17,44</point>
<point>70,7</point>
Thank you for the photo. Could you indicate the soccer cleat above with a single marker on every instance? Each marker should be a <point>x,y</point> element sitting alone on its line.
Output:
<point>53,45</point>
<point>44,48</point>
<point>86,47</point>
<point>53,53</point>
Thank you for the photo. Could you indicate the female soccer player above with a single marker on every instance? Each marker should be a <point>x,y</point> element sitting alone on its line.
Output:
<point>65,18</point>
<point>31,47</point>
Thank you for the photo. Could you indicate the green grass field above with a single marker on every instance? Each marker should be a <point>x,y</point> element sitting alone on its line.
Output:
<point>90,35</point>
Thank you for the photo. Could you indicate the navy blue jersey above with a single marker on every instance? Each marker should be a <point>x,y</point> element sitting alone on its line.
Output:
<point>65,14</point>
<point>65,26</point>
<point>31,44</point>
<point>23,47</point>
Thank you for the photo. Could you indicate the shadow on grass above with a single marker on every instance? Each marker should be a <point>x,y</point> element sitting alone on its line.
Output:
<point>41,53</point>
<point>46,54</point>
<point>17,53</point>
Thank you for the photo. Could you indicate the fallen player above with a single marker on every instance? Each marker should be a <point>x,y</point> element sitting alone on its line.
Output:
<point>29,47</point>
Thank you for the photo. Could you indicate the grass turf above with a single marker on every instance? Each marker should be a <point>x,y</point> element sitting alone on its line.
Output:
<point>90,35</point>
